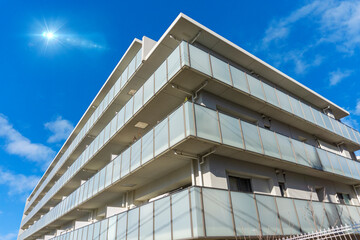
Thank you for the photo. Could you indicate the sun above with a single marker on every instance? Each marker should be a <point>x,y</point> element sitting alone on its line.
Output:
<point>48,35</point>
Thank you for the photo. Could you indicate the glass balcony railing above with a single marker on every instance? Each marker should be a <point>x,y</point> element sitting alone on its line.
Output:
<point>198,121</point>
<point>113,92</point>
<point>231,75</point>
<point>207,212</point>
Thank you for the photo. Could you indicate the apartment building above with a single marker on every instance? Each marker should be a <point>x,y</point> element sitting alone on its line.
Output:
<point>192,137</point>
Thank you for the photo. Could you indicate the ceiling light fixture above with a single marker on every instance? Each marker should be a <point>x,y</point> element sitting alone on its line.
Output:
<point>141,125</point>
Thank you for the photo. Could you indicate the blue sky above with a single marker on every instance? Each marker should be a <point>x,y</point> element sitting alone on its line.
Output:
<point>45,88</point>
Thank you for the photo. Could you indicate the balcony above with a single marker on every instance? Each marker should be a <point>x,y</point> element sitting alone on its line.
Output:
<point>200,212</point>
<point>195,129</point>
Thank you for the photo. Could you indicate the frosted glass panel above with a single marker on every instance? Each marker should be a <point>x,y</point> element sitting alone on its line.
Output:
<point>220,70</point>
<point>305,215</point>
<point>335,163</point>
<point>161,137</point>
<point>332,214</point>
<point>181,215</point>
<point>207,125</point>
<point>121,226</point>
<point>245,214</point>
<point>255,87</point>
<point>300,153</point>
<point>251,137</point>
<point>147,147</point>
<point>146,222</point>
<point>318,118</point>
<point>344,166</point>
<point>173,63</point>
<point>138,58</point>
<point>230,131</point>
<point>133,224</point>
<point>160,76</point>
<point>84,233</point>
<point>289,221</point>
<point>336,126</point>
<point>324,160</point>
<point>102,179</point>
<point>116,170</point>
<point>284,101</point>
<point>320,217</point>
<point>148,89</point>
<point>189,119</point>
<point>162,219</point>
<point>239,79</point>
<point>313,157</point>
<point>184,54</point>
<point>296,107</point>
<point>129,109</point>
<point>199,60</point>
<point>353,168</point>
<point>90,188</point>
<point>106,138</point>
<point>344,130</point>
<point>327,122</point>
<point>270,94</point>
<point>307,111</point>
<point>270,223</point>
<point>131,68</point>
<point>218,219</point>
<point>196,212</point>
<point>112,228</point>
<point>109,171</point>
<point>96,233</point>
<point>351,133</point>
<point>120,118</point>
<point>354,214</point>
<point>177,126</point>
<point>286,148</point>
<point>86,186</point>
<point>344,214</point>
<point>269,143</point>
<point>103,229</point>
<point>138,100</point>
<point>135,155</point>
<point>96,183</point>
<point>125,162</point>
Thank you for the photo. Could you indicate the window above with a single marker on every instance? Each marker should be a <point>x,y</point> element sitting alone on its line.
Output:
<point>320,192</point>
<point>240,184</point>
<point>343,198</point>
<point>282,189</point>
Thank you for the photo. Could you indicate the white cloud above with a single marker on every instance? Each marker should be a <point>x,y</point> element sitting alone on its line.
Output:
<point>19,145</point>
<point>298,58</point>
<point>331,22</point>
<point>9,236</point>
<point>351,122</point>
<point>60,128</point>
<point>357,108</point>
<point>17,183</point>
<point>337,76</point>
<point>280,29</point>
<point>340,24</point>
